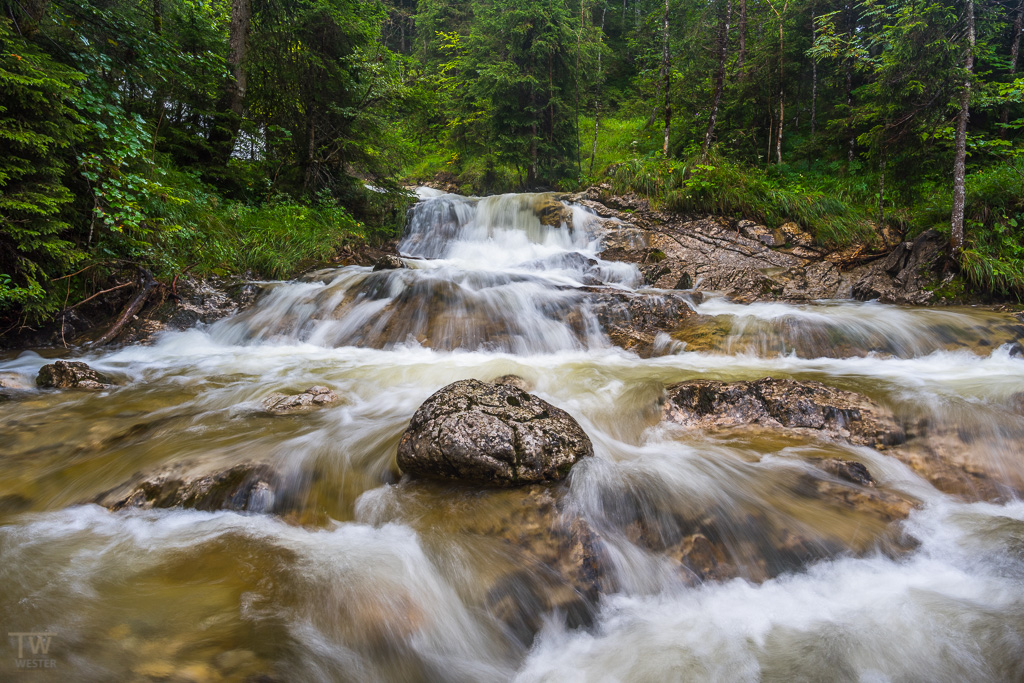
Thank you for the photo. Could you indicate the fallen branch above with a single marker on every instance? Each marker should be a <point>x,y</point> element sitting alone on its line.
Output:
<point>127,284</point>
<point>146,285</point>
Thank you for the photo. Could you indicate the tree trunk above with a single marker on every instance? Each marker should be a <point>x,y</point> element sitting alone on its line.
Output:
<point>956,242</point>
<point>814,79</point>
<point>310,175</point>
<point>551,99</point>
<point>597,96</point>
<point>531,172</point>
<point>1004,117</point>
<point>881,192</point>
<point>782,89</point>
<point>232,104</point>
<point>158,16</point>
<point>723,49</point>
<point>667,73</point>
<point>851,138</point>
<point>742,56</point>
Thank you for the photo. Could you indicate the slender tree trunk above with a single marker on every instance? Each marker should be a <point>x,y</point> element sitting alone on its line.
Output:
<point>224,133</point>
<point>881,192</point>
<point>851,138</point>
<point>597,96</point>
<point>238,48</point>
<point>742,56</point>
<point>1004,117</point>
<point>158,16</point>
<point>956,243</point>
<point>667,72</point>
<point>551,100</point>
<point>723,50</point>
<point>310,175</point>
<point>531,173</point>
<point>814,78</point>
<point>782,88</point>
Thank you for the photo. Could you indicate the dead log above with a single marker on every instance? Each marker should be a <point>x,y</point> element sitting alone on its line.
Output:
<point>147,283</point>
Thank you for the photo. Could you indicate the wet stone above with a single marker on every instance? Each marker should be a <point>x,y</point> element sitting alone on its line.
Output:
<point>513,381</point>
<point>809,407</point>
<point>246,487</point>
<point>65,374</point>
<point>493,434</point>
<point>848,470</point>
<point>317,396</point>
<point>389,262</point>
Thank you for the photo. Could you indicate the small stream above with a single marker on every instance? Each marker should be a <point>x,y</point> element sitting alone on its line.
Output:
<point>361,575</point>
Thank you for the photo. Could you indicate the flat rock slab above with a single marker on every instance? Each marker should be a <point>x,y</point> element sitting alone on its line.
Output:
<point>783,403</point>
<point>314,397</point>
<point>492,434</point>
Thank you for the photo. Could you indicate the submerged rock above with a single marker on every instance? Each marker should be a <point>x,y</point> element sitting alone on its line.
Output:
<point>247,486</point>
<point>551,211</point>
<point>65,374</point>
<point>314,397</point>
<point>543,559</point>
<point>783,403</point>
<point>512,380</point>
<point>494,434</point>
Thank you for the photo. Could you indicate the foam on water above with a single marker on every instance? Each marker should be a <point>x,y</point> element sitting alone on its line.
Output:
<point>358,582</point>
<point>947,614</point>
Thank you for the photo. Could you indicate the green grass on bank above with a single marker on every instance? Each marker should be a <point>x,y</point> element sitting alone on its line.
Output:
<point>274,240</point>
<point>719,187</point>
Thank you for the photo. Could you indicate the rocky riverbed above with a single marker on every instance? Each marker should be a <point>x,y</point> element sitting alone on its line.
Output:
<point>550,437</point>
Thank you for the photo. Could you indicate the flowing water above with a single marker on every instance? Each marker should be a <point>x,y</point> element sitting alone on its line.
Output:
<point>360,575</point>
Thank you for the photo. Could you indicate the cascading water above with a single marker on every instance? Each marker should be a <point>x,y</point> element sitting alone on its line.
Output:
<point>359,575</point>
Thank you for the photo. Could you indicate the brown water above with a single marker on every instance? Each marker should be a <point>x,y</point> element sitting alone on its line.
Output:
<point>359,575</point>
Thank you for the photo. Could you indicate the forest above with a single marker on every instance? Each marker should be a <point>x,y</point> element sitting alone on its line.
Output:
<point>161,138</point>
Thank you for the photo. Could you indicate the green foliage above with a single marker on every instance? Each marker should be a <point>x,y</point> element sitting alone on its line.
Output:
<point>718,187</point>
<point>994,258</point>
<point>510,76</point>
<point>278,238</point>
<point>37,127</point>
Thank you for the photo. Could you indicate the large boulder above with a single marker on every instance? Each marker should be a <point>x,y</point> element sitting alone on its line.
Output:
<point>804,406</point>
<point>495,434</point>
<point>70,374</point>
